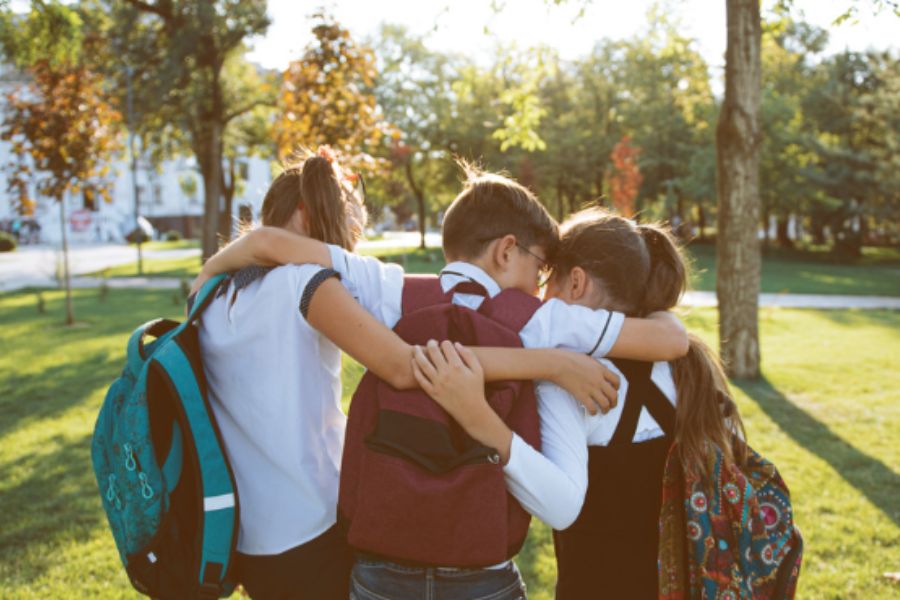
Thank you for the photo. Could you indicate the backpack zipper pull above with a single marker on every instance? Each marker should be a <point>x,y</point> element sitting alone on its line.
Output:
<point>146,490</point>
<point>130,463</point>
<point>111,495</point>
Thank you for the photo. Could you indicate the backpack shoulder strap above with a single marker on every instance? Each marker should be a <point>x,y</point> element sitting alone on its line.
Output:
<point>511,307</point>
<point>201,300</point>
<point>642,392</point>
<point>420,291</point>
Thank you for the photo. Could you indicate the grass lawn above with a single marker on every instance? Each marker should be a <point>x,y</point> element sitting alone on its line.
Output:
<point>877,273</point>
<point>824,414</point>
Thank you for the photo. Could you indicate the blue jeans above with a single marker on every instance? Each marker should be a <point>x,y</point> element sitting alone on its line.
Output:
<point>380,580</point>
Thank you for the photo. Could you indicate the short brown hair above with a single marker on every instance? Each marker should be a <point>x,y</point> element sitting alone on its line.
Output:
<point>313,181</point>
<point>490,207</point>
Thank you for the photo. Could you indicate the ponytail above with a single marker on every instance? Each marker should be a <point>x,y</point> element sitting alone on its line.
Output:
<point>668,277</point>
<point>706,413</point>
<point>313,182</point>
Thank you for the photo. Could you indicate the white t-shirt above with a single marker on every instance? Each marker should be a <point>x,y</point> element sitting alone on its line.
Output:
<point>552,484</point>
<point>554,325</point>
<point>275,390</point>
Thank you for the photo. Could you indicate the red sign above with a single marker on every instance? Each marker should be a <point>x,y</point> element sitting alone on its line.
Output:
<point>80,220</point>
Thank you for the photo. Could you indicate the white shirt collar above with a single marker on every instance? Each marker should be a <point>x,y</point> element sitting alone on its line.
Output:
<point>458,271</point>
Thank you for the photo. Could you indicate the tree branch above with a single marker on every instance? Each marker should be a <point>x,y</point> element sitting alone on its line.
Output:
<point>246,108</point>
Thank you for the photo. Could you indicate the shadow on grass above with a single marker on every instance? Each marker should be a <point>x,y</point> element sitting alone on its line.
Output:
<point>28,398</point>
<point>54,503</point>
<point>875,480</point>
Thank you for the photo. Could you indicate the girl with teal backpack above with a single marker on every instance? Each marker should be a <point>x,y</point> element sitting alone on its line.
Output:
<point>164,479</point>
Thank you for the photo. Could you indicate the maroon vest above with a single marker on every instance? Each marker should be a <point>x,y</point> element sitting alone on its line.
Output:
<point>415,488</point>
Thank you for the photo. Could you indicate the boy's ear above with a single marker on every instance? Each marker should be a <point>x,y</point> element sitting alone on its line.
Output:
<point>503,250</point>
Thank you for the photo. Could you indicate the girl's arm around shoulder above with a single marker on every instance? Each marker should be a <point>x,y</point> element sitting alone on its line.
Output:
<point>600,332</point>
<point>659,337</point>
<point>265,246</point>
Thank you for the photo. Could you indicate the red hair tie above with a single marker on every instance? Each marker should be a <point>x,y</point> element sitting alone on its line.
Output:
<point>326,153</point>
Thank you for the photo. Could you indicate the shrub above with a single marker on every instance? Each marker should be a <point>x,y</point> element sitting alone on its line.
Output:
<point>7,242</point>
<point>172,235</point>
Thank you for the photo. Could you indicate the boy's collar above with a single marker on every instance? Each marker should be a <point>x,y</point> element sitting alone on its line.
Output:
<point>457,270</point>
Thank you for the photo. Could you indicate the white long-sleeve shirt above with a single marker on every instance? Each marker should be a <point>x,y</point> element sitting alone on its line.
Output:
<point>552,484</point>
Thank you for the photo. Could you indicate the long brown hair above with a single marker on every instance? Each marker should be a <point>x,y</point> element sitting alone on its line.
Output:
<point>641,269</point>
<point>334,214</point>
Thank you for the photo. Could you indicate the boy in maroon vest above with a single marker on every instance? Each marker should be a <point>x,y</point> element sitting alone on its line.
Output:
<point>496,236</point>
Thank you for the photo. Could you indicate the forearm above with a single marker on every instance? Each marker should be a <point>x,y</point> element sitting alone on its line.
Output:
<point>504,364</point>
<point>662,336</point>
<point>334,313</point>
<point>267,246</point>
<point>486,427</point>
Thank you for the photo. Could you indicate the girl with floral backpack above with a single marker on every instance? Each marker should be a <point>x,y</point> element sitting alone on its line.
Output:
<point>674,439</point>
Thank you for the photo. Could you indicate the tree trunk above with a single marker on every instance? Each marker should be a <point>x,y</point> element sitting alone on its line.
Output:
<point>226,219</point>
<point>209,155</point>
<point>738,138</point>
<point>817,229</point>
<point>781,231</point>
<point>420,201</point>
<point>67,282</point>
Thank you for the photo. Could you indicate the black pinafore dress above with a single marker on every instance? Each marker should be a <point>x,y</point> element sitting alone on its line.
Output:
<point>611,549</point>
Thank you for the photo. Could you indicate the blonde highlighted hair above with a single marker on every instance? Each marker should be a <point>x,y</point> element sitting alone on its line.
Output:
<point>317,183</point>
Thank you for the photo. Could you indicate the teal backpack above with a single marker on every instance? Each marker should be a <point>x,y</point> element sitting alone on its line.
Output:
<point>165,482</point>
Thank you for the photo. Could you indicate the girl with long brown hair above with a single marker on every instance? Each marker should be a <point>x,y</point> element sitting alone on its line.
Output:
<point>604,496</point>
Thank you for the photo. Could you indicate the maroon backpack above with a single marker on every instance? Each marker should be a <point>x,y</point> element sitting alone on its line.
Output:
<point>415,488</point>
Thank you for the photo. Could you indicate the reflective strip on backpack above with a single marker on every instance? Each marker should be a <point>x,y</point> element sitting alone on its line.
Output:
<point>211,503</point>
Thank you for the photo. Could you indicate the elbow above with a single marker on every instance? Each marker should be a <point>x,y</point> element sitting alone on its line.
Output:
<point>565,517</point>
<point>678,342</point>
<point>568,512</point>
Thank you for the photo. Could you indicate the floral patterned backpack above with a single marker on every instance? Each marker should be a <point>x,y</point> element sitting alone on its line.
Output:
<point>727,536</point>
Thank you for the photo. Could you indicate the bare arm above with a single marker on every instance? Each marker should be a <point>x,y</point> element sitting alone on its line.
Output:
<point>590,382</point>
<point>661,336</point>
<point>266,246</point>
<point>335,313</point>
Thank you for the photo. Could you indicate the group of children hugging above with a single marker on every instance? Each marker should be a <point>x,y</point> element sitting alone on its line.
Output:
<point>425,489</point>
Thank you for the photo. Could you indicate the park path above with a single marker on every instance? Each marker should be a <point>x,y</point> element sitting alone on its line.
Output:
<point>693,298</point>
<point>34,266</point>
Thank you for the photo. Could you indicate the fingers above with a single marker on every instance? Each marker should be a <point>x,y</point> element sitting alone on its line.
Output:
<point>601,401</point>
<point>425,365</point>
<point>423,380</point>
<point>611,378</point>
<point>609,393</point>
<point>468,358</point>
<point>434,353</point>
<point>451,354</point>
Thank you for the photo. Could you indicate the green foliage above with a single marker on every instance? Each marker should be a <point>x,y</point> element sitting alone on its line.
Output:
<point>173,235</point>
<point>326,99</point>
<point>7,242</point>
<point>50,32</point>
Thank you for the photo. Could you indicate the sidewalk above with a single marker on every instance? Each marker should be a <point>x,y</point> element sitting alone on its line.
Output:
<point>694,298</point>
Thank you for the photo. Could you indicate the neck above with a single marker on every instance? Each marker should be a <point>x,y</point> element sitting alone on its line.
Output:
<point>483,264</point>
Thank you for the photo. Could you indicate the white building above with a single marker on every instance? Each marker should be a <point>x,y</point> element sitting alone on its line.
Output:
<point>163,199</point>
